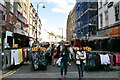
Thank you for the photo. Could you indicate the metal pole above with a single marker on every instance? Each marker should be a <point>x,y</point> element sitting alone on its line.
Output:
<point>0,46</point>
<point>37,22</point>
<point>62,33</point>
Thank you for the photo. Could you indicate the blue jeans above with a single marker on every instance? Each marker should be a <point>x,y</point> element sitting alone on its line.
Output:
<point>81,69</point>
<point>64,68</point>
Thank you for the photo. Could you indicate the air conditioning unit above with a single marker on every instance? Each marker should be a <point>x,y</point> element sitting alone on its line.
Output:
<point>2,17</point>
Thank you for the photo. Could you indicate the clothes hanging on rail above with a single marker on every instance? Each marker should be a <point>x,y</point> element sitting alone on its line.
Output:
<point>91,59</point>
<point>105,60</point>
<point>98,61</point>
<point>14,57</point>
<point>111,59</point>
<point>117,59</point>
<point>20,56</point>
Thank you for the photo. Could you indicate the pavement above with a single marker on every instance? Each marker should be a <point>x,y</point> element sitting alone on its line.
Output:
<point>53,72</point>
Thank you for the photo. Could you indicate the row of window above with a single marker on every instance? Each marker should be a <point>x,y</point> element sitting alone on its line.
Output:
<point>117,16</point>
<point>103,2</point>
<point>20,10</point>
<point>18,6</point>
<point>3,2</point>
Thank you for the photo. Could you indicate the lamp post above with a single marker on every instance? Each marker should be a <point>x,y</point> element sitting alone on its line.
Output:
<point>37,17</point>
<point>62,32</point>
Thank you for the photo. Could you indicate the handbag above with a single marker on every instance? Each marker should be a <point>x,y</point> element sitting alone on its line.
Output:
<point>54,54</point>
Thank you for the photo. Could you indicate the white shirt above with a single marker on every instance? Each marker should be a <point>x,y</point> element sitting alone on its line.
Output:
<point>80,55</point>
<point>104,59</point>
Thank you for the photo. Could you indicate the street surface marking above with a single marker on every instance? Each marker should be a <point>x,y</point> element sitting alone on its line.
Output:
<point>9,73</point>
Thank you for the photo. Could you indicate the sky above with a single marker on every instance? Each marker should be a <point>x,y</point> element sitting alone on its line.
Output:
<point>53,16</point>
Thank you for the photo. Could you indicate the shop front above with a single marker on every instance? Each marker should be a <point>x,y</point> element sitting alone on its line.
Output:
<point>111,39</point>
<point>21,38</point>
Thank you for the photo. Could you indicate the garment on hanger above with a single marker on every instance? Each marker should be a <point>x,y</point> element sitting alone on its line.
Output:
<point>117,59</point>
<point>111,59</point>
<point>105,60</point>
<point>14,56</point>
<point>23,54</point>
<point>20,56</point>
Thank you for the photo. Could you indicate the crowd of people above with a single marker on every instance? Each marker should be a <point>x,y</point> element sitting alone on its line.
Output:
<point>61,55</point>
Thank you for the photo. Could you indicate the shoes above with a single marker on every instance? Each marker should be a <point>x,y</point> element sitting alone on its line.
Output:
<point>61,76</point>
<point>65,76</point>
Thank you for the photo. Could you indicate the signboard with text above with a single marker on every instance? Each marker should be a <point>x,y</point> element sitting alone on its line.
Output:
<point>18,25</point>
<point>115,31</point>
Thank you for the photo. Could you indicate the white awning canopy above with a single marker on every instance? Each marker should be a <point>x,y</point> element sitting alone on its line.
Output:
<point>97,38</point>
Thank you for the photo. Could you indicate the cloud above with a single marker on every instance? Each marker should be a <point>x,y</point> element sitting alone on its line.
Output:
<point>62,6</point>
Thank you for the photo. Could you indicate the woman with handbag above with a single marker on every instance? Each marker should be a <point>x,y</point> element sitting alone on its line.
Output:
<point>64,60</point>
<point>80,61</point>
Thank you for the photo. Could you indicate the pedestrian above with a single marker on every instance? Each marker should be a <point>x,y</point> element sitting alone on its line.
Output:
<point>80,61</point>
<point>71,54</point>
<point>56,54</point>
<point>64,61</point>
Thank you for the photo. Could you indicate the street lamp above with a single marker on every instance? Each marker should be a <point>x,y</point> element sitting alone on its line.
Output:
<point>37,16</point>
<point>62,32</point>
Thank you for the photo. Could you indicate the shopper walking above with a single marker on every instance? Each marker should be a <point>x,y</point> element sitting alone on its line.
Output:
<point>64,61</point>
<point>80,61</point>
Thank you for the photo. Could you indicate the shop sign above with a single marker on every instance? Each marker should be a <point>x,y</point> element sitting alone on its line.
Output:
<point>105,33</point>
<point>115,31</point>
<point>18,25</point>
<point>15,45</point>
<point>8,33</point>
<point>19,31</point>
<point>99,33</point>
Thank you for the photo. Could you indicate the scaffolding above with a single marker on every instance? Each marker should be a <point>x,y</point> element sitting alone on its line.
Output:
<point>86,15</point>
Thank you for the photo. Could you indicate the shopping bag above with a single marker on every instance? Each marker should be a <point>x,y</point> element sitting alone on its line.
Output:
<point>58,61</point>
<point>54,54</point>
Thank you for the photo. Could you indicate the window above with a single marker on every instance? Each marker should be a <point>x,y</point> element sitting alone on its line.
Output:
<point>117,13</point>
<point>3,2</point>
<point>101,19</point>
<point>25,2</point>
<point>100,3</point>
<point>12,2</point>
<point>11,8</point>
<point>30,19</point>
<point>19,8</point>
<point>106,18</point>
<point>25,14</point>
<point>11,5</point>
<point>31,9</point>
<point>106,1</point>
<point>2,16</point>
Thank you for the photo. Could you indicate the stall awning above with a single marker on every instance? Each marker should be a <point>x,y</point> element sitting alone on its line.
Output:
<point>97,38</point>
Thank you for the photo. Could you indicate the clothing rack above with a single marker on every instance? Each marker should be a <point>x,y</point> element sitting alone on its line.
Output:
<point>106,67</point>
<point>99,51</point>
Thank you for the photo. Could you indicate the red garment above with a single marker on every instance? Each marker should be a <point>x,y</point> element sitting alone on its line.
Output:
<point>117,59</point>
<point>111,59</point>
<point>23,54</point>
